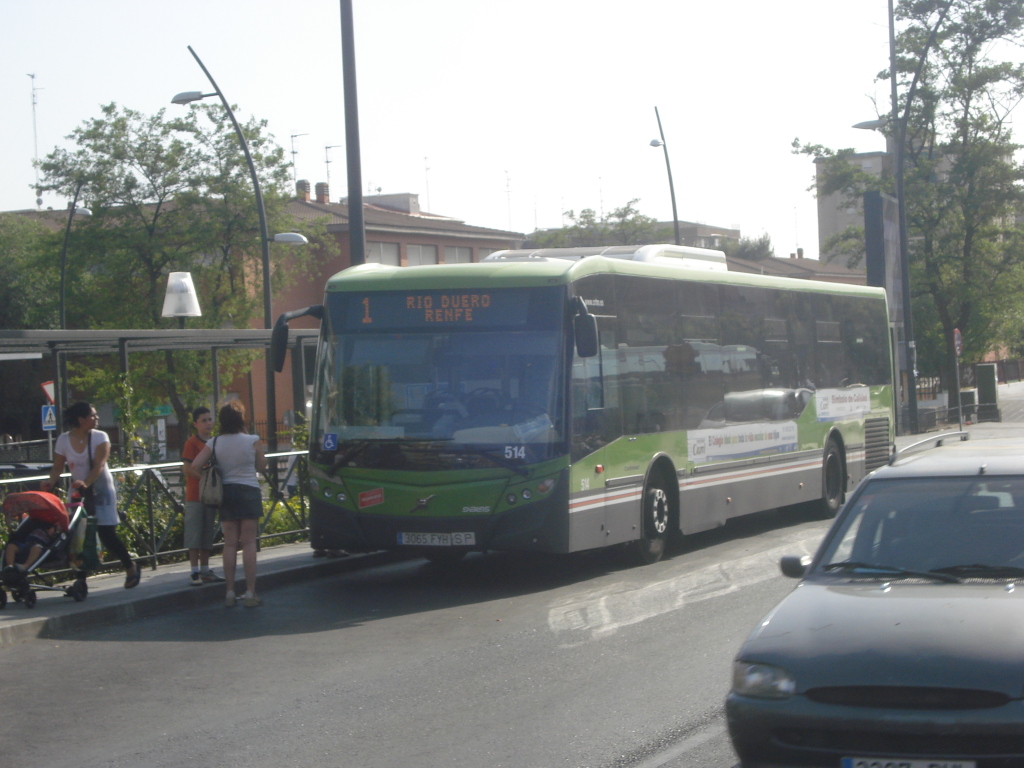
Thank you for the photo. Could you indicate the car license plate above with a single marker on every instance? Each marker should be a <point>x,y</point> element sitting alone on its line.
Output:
<point>896,762</point>
<point>458,539</point>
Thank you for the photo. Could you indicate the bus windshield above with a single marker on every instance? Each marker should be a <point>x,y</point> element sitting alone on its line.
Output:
<point>490,383</point>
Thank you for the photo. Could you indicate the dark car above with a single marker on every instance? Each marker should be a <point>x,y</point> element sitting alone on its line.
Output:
<point>903,644</point>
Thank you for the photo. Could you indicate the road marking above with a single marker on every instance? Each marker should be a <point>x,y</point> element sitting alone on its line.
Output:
<point>682,747</point>
<point>602,614</point>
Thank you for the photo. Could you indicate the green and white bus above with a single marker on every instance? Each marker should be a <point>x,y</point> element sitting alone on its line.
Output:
<point>567,399</point>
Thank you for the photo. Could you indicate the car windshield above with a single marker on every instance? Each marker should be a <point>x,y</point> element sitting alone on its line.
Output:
<point>966,527</point>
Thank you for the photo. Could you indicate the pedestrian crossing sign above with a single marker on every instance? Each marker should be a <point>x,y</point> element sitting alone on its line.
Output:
<point>49,418</point>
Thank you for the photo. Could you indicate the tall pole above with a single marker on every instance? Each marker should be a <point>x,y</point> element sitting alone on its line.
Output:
<point>671,186</point>
<point>356,227</point>
<point>61,360</point>
<point>265,252</point>
<point>64,256</point>
<point>900,127</point>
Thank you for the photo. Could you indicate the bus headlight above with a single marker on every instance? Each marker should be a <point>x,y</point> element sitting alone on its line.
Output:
<point>761,681</point>
<point>545,485</point>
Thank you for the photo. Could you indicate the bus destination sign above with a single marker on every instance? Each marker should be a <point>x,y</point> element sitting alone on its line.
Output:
<point>419,309</point>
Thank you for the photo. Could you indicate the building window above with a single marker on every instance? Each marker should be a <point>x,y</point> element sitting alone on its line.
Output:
<point>382,253</point>
<point>457,254</point>
<point>420,254</point>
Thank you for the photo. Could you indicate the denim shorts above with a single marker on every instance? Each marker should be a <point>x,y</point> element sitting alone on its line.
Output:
<point>241,502</point>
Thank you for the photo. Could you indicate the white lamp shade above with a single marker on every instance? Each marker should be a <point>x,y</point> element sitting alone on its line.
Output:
<point>180,299</point>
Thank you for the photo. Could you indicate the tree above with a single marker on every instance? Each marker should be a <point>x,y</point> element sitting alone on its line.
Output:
<point>623,226</point>
<point>962,184</point>
<point>750,248</point>
<point>26,300</point>
<point>171,195</point>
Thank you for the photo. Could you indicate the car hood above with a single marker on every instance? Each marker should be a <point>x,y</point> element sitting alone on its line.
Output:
<point>937,635</point>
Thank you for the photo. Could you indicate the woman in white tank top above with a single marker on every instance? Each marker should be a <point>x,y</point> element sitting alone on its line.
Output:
<point>240,457</point>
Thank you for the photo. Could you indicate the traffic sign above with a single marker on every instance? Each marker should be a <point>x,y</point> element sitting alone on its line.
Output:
<point>958,341</point>
<point>49,416</point>
<point>48,389</point>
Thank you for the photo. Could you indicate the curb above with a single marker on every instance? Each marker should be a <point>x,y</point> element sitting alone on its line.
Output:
<point>61,627</point>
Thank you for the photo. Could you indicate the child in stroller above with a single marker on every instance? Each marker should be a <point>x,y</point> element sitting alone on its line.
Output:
<point>44,534</point>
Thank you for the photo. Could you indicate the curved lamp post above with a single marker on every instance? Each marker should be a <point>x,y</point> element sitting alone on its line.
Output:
<point>291,237</point>
<point>668,167</point>
<point>62,374</point>
<point>73,210</point>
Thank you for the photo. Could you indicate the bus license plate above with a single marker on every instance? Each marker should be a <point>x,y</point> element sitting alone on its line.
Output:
<point>895,762</point>
<point>458,539</point>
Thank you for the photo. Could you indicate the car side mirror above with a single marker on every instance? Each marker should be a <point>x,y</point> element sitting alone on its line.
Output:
<point>794,566</point>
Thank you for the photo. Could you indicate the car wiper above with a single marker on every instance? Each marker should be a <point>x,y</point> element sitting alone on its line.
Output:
<point>983,570</point>
<point>895,570</point>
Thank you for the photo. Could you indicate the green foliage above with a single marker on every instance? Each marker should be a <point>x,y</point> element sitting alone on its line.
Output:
<point>750,248</point>
<point>173,194</point>
<point>962,182</point>
<point>623,226</point>
<point>27,250</point>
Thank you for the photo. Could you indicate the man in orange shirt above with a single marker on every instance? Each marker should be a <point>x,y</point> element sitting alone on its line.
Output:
<point>200,519</point>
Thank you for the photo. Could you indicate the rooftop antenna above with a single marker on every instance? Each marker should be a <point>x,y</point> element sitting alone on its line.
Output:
<point>508,197</point>
<point>35,141</point>
<point>295,175</point>
<point>426,177</point>
<point>327,160</point>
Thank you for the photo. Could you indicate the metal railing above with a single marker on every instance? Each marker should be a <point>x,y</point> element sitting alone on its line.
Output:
<point>152,506</point>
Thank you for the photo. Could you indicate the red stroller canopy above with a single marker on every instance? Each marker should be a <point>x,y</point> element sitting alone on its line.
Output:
<point>38,505</point>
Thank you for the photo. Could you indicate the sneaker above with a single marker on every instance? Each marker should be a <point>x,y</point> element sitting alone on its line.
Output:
<point>209,577</point>
<point>195,579</point>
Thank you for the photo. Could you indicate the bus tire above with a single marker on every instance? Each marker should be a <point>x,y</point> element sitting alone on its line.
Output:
<point>833,480</point>
<point>655,517</point>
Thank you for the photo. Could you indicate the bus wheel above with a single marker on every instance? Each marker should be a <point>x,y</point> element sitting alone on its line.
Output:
<point>833,480</point>
<point>655,516</point>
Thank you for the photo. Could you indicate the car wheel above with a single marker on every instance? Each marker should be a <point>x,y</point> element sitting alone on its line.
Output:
<point>833,481</point>
<point>655,521</point>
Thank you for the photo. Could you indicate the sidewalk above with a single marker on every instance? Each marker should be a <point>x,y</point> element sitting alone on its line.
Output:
<point>164,590</point>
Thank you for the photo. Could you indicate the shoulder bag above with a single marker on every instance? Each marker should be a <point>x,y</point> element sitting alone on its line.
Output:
<point>211,487</point>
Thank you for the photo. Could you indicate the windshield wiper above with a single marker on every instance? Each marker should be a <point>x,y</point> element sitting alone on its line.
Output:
<point>895,570</point>
<point>983,570</point>
<point>351,453</point>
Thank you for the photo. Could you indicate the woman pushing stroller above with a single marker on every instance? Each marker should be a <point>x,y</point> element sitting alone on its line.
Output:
<point>84,450</point>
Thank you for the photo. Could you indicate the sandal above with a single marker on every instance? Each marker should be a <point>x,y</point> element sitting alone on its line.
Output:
<point>230,600</point>
<point>133,579</point>
<point>251,601</point>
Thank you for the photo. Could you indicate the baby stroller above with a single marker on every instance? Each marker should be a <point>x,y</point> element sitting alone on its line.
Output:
<point>64,547</point>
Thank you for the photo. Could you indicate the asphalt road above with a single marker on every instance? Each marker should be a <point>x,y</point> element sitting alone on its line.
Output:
<point>499,661</point>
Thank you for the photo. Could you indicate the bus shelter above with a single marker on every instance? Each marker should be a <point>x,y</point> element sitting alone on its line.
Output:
<point>60,344</point>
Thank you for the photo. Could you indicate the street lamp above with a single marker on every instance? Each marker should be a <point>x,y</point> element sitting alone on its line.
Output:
<point>180,299</point>
<point>190,96</point>
<point>668,167</point>
<point>73,210</point>
<point>898,137</point>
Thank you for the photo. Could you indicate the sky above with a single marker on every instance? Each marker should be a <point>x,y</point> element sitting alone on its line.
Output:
<point>499,114</point>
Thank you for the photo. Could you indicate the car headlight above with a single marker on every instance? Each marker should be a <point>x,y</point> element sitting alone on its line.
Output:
<point>762,681</point>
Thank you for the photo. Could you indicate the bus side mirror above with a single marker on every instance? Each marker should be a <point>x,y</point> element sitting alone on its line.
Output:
<point>279,336</point>
<point>585,329</point>
<point>279,343</point>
